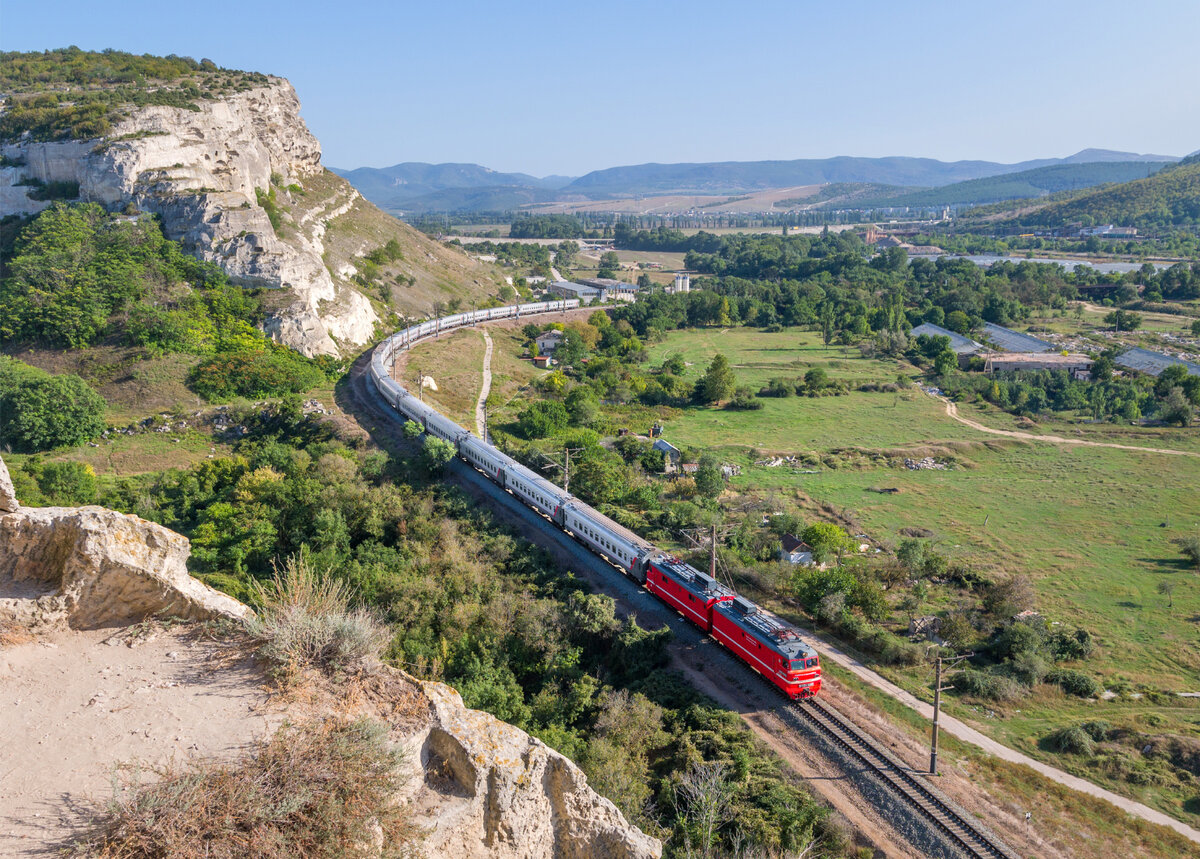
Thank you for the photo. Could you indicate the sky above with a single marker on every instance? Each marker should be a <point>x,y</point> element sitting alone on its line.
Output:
<point>567,87</point>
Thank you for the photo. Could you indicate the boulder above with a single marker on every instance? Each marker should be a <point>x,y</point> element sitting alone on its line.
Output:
<point>89,567</point>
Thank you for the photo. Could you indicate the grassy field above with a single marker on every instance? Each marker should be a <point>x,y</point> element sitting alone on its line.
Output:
<point>1091,526</point>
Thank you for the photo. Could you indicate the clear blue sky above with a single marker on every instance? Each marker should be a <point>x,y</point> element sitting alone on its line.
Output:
<point>569,87</point>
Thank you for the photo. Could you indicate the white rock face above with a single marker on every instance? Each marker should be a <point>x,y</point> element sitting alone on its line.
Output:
<point>8,495</point>
<point>494,791</point>
<point>199,170</point>
<point>88,567</point>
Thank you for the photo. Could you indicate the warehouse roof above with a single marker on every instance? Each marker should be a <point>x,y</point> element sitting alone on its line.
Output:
<point>959,345</point>
<point>1015,341</point>
<point>1153,363</point>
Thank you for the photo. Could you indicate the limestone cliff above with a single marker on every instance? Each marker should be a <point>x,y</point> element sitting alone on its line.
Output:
<point>206,173</point>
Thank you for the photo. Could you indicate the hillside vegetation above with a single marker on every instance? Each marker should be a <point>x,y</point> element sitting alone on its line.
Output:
<point>1011,186</point>
<point>1169,198</point>
<point>73,94</point>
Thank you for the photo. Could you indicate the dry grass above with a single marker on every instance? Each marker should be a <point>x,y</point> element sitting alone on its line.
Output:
<point>309,621</point>
<point>325,789</point>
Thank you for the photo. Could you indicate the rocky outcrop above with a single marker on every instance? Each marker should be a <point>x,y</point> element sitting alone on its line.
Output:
<point>482,788</point>
<point>201,171</point>
<point>88,567</point>
<point>8,495</point>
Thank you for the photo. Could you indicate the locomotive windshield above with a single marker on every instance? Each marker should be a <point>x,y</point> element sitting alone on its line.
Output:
<point>798,664</point>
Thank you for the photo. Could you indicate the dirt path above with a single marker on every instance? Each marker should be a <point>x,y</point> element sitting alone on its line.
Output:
<point>481,404</point>
<point>964,732</point>
<point>952,411</point>
<point>75,705</point>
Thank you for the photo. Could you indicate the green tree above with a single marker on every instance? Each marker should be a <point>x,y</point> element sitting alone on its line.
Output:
<point>1196,328</point>
<point>1167,589</point>
<point>609,264</point>
<point>958,322</point>
<point>710,482</point>
<point>816,379</point>
<point>1189,547</point>
<point>39,411</point>
<point>436,453</point>
<point>827,540</point>
<point>1176,408</point>
<point>69,484</point>
<point>718,381</point>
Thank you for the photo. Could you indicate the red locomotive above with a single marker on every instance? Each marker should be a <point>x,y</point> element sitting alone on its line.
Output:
<point>765,642</point>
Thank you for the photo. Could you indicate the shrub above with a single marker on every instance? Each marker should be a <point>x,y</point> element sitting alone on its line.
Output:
<point>1075,683</point>
<point>1064,645</point>
<point>39,411</point>
<point>1028,669</point>
<point>270,373</point>
<point>69,484</point>
<point>1072,740</point>
<point>307,621</point>
<point>990,687</point>
<point>543,418</point>
<point>312,790</point>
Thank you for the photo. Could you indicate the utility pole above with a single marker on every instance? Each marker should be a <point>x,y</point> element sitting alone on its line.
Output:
<point>565,465</point>
<point>938,689</point>
<point>712,555</point>
<point>420,387</point>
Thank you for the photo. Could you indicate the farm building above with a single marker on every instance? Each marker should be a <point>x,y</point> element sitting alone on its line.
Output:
<point>569,289</point>
<point>542,362</point>
<point>1152,363</point>
<point>671,454</point>
<point>959,345</point>
<point>796,551</point>
<point>611,290</point>
<point>1007,340</point>
<point>548,341</point>
<point>1079,366</point>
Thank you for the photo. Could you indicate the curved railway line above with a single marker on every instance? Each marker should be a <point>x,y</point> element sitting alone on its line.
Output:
<point>957,826</point>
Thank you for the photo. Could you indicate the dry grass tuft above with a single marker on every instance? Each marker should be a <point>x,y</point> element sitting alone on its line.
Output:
<point>306,620</point>
<point>325,789</point>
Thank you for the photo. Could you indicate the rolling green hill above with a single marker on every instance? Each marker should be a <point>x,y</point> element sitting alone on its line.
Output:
<point>1038,182</point>
<point>1169,198</point>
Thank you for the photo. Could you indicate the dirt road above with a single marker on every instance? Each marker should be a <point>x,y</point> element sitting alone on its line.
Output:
<point>952,411</point>
<point>481,404</point>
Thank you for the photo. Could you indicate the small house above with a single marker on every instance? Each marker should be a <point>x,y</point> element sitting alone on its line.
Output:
<point>796,551</point>
<point>671,454</point>
<point>542,362</point>
<point>548,341</point>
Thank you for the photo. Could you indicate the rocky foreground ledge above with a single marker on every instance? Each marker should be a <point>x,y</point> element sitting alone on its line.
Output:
<point>479,787</point>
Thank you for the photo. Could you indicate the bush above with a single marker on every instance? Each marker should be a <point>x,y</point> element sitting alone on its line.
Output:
<point>312,790</point>
<point>307,621</point>
<point>1072,740</point>
<point>1028,669</point>
<point>39,411</point>
<point>543,418</point>
<point>990,687</point>
<point>70,484</point>
<point>1064,646</point>
<point>1075,683</point>
<point>270,373</point>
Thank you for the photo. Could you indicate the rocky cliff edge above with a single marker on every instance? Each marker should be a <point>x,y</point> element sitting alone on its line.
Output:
<point>202,171</point>
<point>480,787</point>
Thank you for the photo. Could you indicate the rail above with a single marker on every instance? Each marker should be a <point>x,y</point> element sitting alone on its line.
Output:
<point>913,787</point>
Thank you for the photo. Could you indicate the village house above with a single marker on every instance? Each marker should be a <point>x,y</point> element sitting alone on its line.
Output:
<point>548,341</point>
<point>671,455</point>
<point>796,551</point>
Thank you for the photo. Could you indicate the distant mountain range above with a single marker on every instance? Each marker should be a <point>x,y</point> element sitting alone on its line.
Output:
<point>417,187</point>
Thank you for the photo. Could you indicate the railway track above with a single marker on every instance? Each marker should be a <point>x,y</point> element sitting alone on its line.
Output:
<point>914,788</point>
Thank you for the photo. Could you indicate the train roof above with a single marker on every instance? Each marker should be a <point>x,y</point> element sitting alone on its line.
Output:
<point>608,524</point>
<point>770,629</point>
<point>701,584</point>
